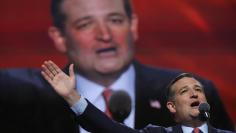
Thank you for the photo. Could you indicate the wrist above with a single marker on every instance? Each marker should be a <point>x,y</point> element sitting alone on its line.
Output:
<point>72,98</point>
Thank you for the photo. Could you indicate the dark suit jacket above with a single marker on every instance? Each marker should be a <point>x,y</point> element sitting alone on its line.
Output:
<point>29,104</point>
<point>97,122</point>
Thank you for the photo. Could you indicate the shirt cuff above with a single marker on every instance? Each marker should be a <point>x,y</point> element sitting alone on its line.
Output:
<point>80,106</point>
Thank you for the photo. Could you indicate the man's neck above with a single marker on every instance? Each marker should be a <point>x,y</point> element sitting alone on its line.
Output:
<point>106,80</point>
<point>193,123</point>
<point>103,79</point>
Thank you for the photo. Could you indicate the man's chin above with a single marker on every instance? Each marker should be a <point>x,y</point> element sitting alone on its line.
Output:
<point>109,69</point>
<point>109,66</point>
<point>112,65</point>
<point>195,114</point>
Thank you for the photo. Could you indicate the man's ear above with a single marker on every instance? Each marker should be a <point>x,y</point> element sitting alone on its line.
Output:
<point>134,26</point>
<point>171,106</point>
<point>58,38</point>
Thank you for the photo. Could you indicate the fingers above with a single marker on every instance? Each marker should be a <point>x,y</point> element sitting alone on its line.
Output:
<point>47,77</point>
<point>71,70</point>
<point>50,70</point>
<point>56,68</point>
<point>51,67</point>
<point>47,72</point>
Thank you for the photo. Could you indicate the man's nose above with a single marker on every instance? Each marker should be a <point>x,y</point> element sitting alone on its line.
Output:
<point>104,32</point>
<point>193,94</point>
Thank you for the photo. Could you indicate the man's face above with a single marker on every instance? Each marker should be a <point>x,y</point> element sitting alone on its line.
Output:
<point>188,94</point>
<point>98,36</point>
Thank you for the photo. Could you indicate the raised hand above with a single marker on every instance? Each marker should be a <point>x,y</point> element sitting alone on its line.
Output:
<point>63,84</point>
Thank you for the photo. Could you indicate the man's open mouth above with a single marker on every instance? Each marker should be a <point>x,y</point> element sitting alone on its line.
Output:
<point>195,104</point>
<point>105,50</point>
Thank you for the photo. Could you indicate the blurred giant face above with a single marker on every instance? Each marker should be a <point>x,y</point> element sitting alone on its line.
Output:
<point>188,94</point>
<point>98,36</point>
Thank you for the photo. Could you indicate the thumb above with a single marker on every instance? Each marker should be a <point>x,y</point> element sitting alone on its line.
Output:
<point>71,70</point>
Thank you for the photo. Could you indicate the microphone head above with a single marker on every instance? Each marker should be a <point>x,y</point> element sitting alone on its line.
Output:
<point>120,105</point>
<point>204,109</point>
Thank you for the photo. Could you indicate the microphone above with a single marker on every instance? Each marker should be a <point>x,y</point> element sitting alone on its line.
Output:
<point>204,109</point>
<point>120,105</point>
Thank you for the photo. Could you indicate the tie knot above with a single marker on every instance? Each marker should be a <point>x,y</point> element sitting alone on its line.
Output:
<point>107,94</point>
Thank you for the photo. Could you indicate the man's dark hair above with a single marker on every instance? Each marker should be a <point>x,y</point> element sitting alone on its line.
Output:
<point>58,17</point>
<point>169,92</point>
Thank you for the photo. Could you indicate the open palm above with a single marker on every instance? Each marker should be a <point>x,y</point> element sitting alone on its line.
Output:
<point>63,84</point>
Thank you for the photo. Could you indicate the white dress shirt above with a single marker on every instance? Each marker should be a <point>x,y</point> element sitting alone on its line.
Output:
<point>93,92</point>
<point>203,128</point>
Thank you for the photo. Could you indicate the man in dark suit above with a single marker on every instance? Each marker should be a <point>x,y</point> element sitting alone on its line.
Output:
<point>184,95</point>
<point>98,36</point>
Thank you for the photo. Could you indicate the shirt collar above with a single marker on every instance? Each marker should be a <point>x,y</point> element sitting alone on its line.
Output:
<point>203,128</point>
<point>92,90</point>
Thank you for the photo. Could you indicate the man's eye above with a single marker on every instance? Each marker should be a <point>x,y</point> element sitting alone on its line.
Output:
<point>199,89</point>
<point>117,21</point>
<point>83,25</point>
<point>183,91</point>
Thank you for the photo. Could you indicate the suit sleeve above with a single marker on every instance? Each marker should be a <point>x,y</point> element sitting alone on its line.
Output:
<point>93,120</point>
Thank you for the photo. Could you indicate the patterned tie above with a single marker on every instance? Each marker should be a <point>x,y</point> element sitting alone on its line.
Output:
<point>106,95</point>
<point>196,130</point>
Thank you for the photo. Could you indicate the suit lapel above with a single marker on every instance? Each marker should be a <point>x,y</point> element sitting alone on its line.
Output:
<point>140,85</point>
<point>150,96</point>
<point>211,129</point>
<point>145,93</point>
<point>177,129</point>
